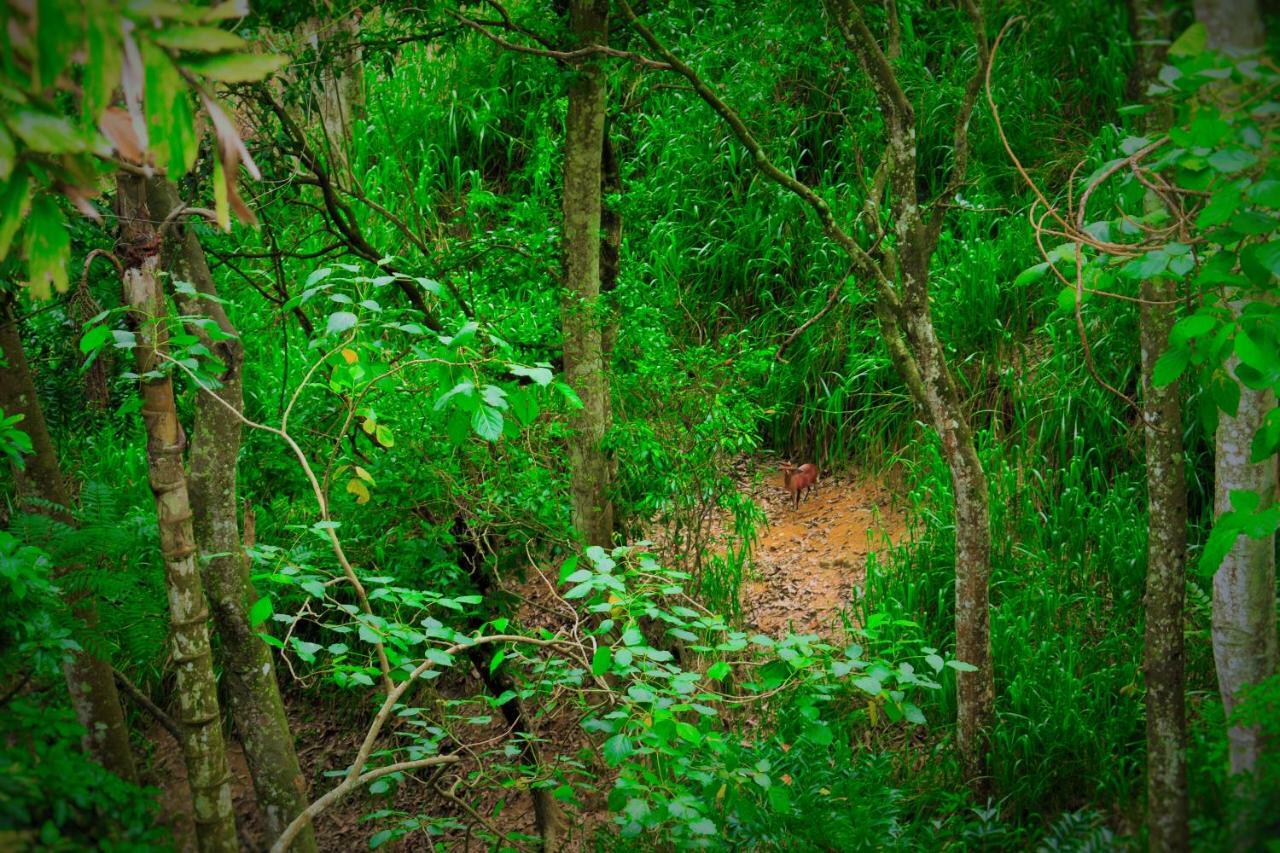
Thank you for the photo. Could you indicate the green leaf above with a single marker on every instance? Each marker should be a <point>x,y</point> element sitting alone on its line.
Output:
<point>1194,326</point>
<point>58,35</point>
<point>260,611</point>
<point>487,423</point>
<point>540,375</point>
<point>1192,41</point>
<point>601,660</point>
<point>1267,255</point>
<point>170,122</point>
<point>617,748</point>
<point>45,133</point>
<point>238,68</point>
<point>15,201</point>
<point>340,321</point>
<point>94,338</point>
<point>718,670</point>
<point>8,154</point>
<point>104,59</point>
<point>201,39</point>
<point>1170,366</point>
<point>498,657</point>
<point>1252,354</point>
<point>384,436</point>
<point>1146,266</point>
<point>48,248</point>
<point>1031,274</point>
<point>1231,160</point>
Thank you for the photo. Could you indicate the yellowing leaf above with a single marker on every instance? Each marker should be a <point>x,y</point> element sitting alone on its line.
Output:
<point>360,490</point>
<point>364,475</point>
<point>350,356</point>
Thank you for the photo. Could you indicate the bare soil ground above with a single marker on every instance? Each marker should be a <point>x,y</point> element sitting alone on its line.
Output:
<point>810,561</point>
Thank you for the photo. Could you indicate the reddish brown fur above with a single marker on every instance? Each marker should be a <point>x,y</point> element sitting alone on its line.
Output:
<point>798,480</point>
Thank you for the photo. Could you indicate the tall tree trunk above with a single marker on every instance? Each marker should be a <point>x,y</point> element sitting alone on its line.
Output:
<point>584,366</point>
<point>89,679</point>
<point>921,360</point>
<point>200,716</point>
<point>1163,658</point>
<point>1244,589</point>
<point>248,670</point>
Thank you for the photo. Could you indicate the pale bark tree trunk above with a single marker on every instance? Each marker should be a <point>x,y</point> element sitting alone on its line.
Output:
<point>584,365</point>
<point>248,670</point>
<point>1163,658</point>
<point>203,747</point>
<point>1244,589</point>
<point>89,679</point>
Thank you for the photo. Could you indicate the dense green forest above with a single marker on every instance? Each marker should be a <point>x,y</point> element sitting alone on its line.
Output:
<point>639,425</point>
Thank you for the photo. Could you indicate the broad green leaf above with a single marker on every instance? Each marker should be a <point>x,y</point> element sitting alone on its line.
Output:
<point>340,321</point>
<point>94,338</point>
<point>616,749</point>
<point>45,133</point>
<point>1170,366</point>
<point>15,201</point>
<point>58,35</point>
<point>8,154</point>
<point>487,423</point>
<point>1146,266</point>
<point>1231,160</point>
<point>1031,274</point>
<point>104,59</point>
<point>202,39</point>
<point>601,660</point>
<point>170,122</point>
<point>718,670</point>
<point>540,375</point>
<point>1192,41</point>
<point>1252,354</point>
<point>48,248</point>
<point>238,68</point>
<point>260,611</point>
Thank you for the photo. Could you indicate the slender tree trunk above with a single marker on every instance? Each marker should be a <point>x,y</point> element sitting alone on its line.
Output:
<point>1244,589</point>
<point>1163,658</point>
<point>584,365</point>
<point>248,670</point>
<point>89,679</point>
<point>920,359</point>
<point>200,716</point>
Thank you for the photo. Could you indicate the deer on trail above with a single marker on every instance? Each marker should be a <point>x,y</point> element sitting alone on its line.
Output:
<point>798,480</point>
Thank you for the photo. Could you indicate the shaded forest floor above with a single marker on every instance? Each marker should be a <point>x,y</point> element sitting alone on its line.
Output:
<point>807,566</point>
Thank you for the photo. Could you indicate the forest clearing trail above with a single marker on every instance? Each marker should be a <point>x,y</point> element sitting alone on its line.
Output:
<point>808,560</point>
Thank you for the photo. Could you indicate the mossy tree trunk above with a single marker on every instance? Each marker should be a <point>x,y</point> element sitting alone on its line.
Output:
<point>1163,657</point>
<point>199,714</point>
<point>584,364</point>
<point>248,671</point>
<point>89,678</point>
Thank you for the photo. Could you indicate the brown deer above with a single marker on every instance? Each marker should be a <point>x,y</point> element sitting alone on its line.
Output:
<point>798,480</point>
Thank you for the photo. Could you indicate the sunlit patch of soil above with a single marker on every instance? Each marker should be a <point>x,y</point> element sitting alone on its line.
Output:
<point>809,560</point>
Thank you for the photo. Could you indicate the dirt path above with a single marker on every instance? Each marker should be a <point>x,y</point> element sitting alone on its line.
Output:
<point>809,560</point>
